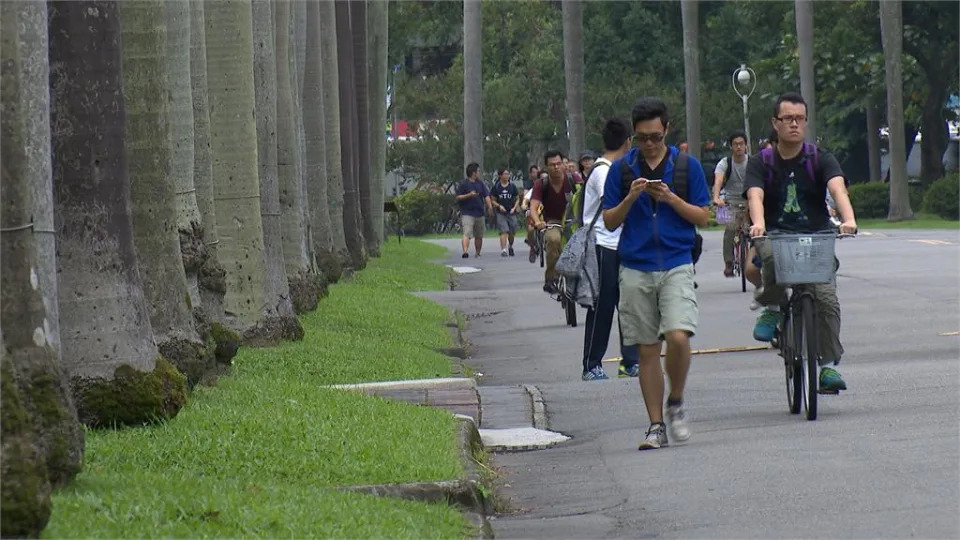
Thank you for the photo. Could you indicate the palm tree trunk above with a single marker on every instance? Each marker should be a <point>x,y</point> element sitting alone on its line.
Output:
<point>305,288</point>
<point>891,33</point>
<point>472,83</point>
<point>211,280</point>
<point>108,346</point>
<point>261,317</point>
<point>265,81</point>
<point>360,99</point>
<point>803,10</point>
<point>154,184</point>
<point>192,247</point>
<point>349,137</point>
<point>691,73</point>
<point>377,28</point>
<point>315,177</point>
<point>331,136</point>
<point>573,73</point>
<point>28,287</point>
<point>873,138</point>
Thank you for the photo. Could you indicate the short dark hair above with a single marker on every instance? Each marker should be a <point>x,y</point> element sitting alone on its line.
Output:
<point>648,108</point>
<point>736,135</point>
<point>550,154</point>
<point>501,171</point>
<point>788,97</point>
<point>472,168</point>
<point>532,167</point>
<point>615,133</point>
<point>774,137</point>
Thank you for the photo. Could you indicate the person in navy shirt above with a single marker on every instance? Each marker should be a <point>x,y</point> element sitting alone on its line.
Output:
<point>657,297</point>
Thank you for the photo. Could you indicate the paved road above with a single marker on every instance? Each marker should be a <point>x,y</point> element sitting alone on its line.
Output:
<point>882,460</point>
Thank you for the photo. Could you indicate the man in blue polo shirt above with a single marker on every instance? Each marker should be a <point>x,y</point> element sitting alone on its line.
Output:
<point>657,298</point>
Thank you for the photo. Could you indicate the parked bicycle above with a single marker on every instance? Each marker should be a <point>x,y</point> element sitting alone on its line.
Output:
<point>801,260</point>
<point>563,295</point>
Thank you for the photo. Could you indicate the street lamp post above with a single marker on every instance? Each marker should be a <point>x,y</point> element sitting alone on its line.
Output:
<point>744,82</point>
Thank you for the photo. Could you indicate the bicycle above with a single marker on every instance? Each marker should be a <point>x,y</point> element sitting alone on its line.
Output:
<point>741,243</point>
<point>801,260</point>
<point>563,295</point>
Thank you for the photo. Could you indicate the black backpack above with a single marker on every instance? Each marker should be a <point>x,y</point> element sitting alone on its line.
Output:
<point>681,187</point>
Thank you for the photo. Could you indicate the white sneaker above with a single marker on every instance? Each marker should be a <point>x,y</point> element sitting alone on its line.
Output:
<point>679,430</point>
<point>503,253</point>
<point>656,438</point>
<point>754,305</point>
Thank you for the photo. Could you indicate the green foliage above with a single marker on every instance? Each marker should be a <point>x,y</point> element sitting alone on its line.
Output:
<point>261,454</point>
<point>131,397</point>
<point>421,209</point>
<point>870,200</point>
<point>943,197</point>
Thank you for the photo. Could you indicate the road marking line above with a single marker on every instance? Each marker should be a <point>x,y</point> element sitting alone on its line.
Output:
<point>950,334</point>
<point>709,351</point>
<point>933,242</point>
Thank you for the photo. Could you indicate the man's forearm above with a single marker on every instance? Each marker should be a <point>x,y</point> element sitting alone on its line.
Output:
<point>694,214</point>
<point>614,217</point>
<point>755,203</point>
<point>842,200</point>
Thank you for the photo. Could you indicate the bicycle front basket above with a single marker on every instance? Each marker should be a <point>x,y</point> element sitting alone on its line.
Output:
<point>803,258</point>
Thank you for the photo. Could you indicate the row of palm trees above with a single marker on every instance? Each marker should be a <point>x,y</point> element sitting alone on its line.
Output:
<point>178,178</point>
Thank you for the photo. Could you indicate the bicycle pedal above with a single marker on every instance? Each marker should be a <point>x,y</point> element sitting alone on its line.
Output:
<point>828,392</point>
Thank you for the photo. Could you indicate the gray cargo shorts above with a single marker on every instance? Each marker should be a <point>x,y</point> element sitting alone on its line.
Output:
<point>654,303</point>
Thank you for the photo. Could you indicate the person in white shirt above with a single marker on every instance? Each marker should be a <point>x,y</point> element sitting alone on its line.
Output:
<point>617,135</point>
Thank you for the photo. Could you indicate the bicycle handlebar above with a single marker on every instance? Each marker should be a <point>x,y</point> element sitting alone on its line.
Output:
<point>837,233</point>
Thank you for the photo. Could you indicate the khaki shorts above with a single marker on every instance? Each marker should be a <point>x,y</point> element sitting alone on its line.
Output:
<point>473,227</point>
<point>654,303</point>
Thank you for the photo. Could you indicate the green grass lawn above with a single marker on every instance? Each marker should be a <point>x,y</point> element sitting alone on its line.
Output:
<point>923,221</point>
<point>259,454</point>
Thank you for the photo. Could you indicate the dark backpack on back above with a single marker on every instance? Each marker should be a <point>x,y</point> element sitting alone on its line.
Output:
<point>681,167</point>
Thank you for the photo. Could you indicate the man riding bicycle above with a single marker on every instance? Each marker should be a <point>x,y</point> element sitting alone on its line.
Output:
<point>788,192</point>
<point>552,197</point>
<point>731,174</point>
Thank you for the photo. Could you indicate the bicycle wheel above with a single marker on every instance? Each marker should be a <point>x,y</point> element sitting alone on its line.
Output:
<point>540,246</point>
<point>811,354</point>
<point>742,257</point>
<point>792,364</point>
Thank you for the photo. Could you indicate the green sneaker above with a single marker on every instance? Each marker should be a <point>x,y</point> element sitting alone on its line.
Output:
<point>627,372</point>
<point>830,380</point>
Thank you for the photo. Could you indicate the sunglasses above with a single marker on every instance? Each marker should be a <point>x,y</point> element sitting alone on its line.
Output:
<point>649,137</point>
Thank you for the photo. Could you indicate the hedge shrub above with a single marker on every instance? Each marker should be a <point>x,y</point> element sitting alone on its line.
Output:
<point>943,197</point>
<point>421,210</point>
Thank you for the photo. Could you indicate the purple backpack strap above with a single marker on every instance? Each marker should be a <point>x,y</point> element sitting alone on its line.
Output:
<point>812,160</point>
<point>766,156</point>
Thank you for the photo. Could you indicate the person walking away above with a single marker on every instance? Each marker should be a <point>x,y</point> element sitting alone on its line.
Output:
<point>552,196</point>
<point>659,195</point>
<point>787,191</point>
<point>506,201</point>
<point>473,197</point>
<point>596,335</point>
<point>730,174</point>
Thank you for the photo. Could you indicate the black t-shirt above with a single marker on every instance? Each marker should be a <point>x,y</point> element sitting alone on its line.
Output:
<point>505,195</point>
<point>794,202</point>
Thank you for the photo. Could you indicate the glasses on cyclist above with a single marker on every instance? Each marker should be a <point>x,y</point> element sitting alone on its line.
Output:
<point>650,137</point>
<point>792,119</point>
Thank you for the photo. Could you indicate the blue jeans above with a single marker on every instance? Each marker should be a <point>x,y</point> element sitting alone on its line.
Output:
<point>596,333</point>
